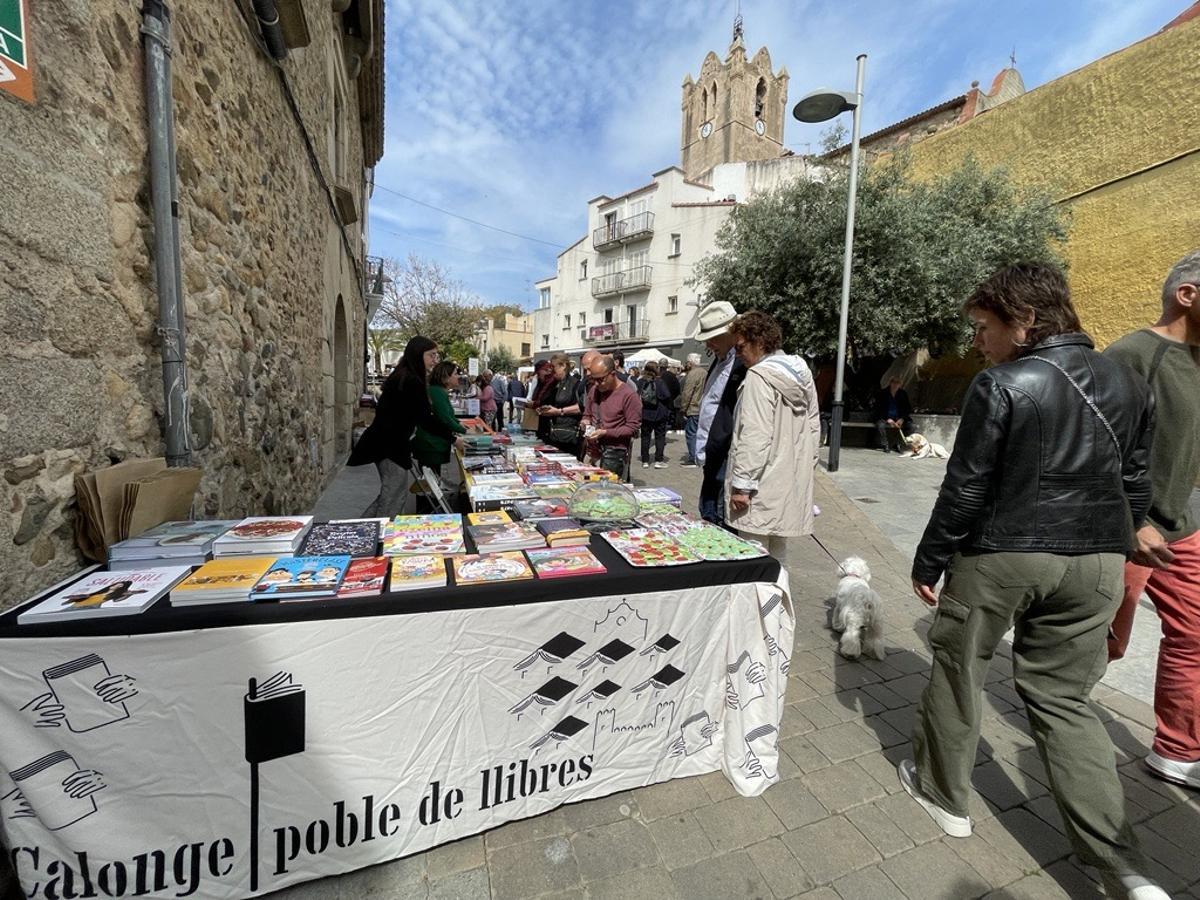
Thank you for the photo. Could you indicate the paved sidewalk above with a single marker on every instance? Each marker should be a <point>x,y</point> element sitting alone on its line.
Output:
<point>837,825</point>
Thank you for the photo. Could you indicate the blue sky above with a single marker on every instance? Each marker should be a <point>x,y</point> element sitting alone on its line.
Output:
<point>516,114</point>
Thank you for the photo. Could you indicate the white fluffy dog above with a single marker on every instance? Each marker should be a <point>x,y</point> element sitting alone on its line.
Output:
<point>922,448</point>
<point>858,612</point>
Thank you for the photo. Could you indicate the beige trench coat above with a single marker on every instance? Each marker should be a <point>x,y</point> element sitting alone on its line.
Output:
<point>776,437</point>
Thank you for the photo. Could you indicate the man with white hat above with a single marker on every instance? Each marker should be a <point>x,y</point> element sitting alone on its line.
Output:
<point>714,428</point>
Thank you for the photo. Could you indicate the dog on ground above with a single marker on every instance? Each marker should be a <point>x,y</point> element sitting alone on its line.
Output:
<point>858,612</point>
<point>922,448</point>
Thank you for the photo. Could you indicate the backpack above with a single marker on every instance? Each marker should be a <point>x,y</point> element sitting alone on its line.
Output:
<point>648,393</point>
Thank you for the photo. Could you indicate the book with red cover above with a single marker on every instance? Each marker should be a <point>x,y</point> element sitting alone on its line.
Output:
<point>365,577</point>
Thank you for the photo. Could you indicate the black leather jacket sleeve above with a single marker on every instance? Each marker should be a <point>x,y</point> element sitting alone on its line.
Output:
<point>978,448</point>
<point>1135,468</point>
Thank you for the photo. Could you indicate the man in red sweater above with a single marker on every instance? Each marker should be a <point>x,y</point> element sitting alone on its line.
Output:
<point>611,417</point>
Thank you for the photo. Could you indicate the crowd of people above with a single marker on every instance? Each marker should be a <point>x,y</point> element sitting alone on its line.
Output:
<point>1065,498</point>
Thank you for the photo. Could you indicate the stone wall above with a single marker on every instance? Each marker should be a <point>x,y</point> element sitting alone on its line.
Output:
<point>264,265</point>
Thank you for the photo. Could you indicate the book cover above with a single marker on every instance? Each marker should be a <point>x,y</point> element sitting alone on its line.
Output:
<point>645,548</point>
<point>236,576</point>
<point>414,573</point>
<point>491,568</point>
<point>106,594</point>
<point>302,576</point>
<point>364,577</point>
<point>493,517</point>
<point>496,478</point>
<point>564,562</point>
<point>265,530</point>
<point>179,538</point>
<point>74,685</point>
<point>529,510</point>
<point>510,536</point>
<point>351,538</point>
<point>421,535</point>
<point>555,491</point>
<point>562,532</point>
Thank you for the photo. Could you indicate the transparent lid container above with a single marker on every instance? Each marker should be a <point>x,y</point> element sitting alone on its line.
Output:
<point>603,501</point>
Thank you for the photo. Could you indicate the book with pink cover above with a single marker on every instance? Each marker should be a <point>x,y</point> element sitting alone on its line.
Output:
<point>564,562</point>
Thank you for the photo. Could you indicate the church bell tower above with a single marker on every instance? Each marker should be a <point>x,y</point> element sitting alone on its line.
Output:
<point>733,111</point>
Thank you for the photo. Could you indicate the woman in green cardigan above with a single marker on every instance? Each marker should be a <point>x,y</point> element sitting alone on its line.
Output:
<point>433,451</point>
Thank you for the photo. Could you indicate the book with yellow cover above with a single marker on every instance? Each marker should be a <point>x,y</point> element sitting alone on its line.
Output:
<point>491,517</point>
<point>222,580</point>
<point>414,573</point>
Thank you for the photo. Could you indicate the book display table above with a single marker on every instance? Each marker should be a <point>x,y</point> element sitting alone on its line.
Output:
<point>231,750</point>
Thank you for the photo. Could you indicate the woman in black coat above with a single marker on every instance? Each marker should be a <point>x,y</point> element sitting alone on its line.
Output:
<point>403,406</point>
<point>656,414</point>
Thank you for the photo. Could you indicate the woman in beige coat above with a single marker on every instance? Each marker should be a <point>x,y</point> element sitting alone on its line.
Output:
<point>776,433</point>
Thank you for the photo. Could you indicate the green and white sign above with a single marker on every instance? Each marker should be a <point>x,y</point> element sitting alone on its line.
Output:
<point>16,69</point>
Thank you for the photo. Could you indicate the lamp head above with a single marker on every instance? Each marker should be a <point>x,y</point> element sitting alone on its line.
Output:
<point>824,104</point>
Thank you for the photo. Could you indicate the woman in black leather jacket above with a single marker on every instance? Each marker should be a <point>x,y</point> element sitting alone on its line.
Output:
<point>1047,477</point>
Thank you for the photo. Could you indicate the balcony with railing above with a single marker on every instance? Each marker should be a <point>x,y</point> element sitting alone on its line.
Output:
<point>375,281</point>
<point>618,332</point>
<point>613,283</point>
<point>613,234</point>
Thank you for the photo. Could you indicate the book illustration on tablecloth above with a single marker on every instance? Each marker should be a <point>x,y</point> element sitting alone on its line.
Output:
<point>565,729</point>
<point>491,568</point>
<point>612,652</point>
<point>223,580</point>
<point>414,573</point>
<point>547,695</point>
<point>262,535</point>
<point>642,547</point>
<point>599,693</point>
<point>54,789</point>
<point>301,577</point>
<point>772,613</point>
<point>102,594</point>
<point>761,739</point>
<point>664,644</point>
<point>84,694</point>
<point>564,562</point>
<point>351,538</point>
<point>187,542</point>
<point>660,680</point>
<point>695,734</point>
<point>364,577</point>
<point>509,536</point>
<point>274,714</point>
<point>715,544</point>
<point>532,510</point>
<point>744,681</point>
<point>491,517</point>
<point>552,653</point>
<point>439,533</point>
<point>563,532</point>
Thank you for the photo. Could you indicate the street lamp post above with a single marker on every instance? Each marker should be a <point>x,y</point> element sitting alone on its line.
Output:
<point>821,106</point>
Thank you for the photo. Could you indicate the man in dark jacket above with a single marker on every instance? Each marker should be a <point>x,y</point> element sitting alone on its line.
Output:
<point>892,412</point>
<point>714,431</point>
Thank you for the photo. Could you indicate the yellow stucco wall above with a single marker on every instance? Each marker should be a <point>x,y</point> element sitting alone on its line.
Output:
<point>1118,144</point>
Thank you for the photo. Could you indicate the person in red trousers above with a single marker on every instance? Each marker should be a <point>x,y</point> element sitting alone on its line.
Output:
<point>1166,562</point>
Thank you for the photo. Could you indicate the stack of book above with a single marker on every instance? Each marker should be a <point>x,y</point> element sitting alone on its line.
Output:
<point>499,496</point>
<point>179,543</point>
<point>263,536</point>
<point>491,517</point>
<point>222,581</point>
<point>477,445</point>
<point>532,510</point>
<point>302,578</point>
<point>414,573</point>
<point>105,594</point>
<point>364,577</point>
<point>657,496</point>
<point>419,535</point>
<point>342,537</point>
<point>513,536</point>
<point>563,532</point>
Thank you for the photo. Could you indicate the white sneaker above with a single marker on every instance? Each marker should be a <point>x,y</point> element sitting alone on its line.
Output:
<point>954,826</point>
<point>1132,887</point>
<point>1175,771</point>
<point>660,465</point>
<point>645,465</point>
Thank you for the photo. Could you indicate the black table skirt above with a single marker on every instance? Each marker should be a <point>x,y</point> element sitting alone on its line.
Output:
<point>621,579</point>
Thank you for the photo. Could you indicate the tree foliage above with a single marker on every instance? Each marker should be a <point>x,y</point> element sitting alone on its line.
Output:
<point>920,247</point>
<point>380,341</point>
<point>501,359</point>
<point>422,297</point>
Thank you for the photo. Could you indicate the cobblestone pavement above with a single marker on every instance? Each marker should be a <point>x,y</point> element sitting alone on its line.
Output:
<point>837,825</point>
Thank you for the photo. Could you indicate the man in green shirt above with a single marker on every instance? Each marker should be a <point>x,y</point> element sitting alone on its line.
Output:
<point>1166,561</point>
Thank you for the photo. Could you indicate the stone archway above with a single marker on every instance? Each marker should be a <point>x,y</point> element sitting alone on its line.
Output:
<point>343,399</point>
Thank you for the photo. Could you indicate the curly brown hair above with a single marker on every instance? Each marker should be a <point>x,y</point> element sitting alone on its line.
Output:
<point>1028,291</point>
<point>757,328</point>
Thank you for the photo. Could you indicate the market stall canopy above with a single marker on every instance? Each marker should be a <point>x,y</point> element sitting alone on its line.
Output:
<point>651,355</point>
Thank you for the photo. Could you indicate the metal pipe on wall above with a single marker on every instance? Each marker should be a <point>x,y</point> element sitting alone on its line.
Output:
<point>160,114</point>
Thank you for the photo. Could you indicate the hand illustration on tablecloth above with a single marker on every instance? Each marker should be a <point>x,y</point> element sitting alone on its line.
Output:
<point>83,783</point>
<point>695,734</point>
<point>83,695</point>
<point>116,688</point>
<point>750,674</point>
<point>113,689</point>
<point>55,789</point>
<point>47,711</point>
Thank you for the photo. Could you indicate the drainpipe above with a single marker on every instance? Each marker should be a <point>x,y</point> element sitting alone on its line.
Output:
<point>268,21</point>
<point>156,26</point>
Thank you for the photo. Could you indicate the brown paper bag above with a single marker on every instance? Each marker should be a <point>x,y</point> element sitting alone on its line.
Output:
<point>163,497</point>
<point>110,487</point>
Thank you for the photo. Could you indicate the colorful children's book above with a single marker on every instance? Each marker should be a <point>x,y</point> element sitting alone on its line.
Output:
<point>106,594</point>
<point>414,573</point>
<point>492,517</point>
<point>555,491</point>
<point>302,578</point>
<point>643,547</point>
<point>672,523</point>
<point>563,562</point>
<point>713,543</point>
<point>532,510</point>
<point>224,580</point>
<point>279,535</point>
<point>364,577</point>
<point>349,538</point>
<point>563,532</point>
<point>439,533</point>
<point>654,495</point>
<point>510,536</point>
<point>489,568</point>
<point>499,496</point>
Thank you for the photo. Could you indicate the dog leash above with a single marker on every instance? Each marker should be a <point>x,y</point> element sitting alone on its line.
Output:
<point>827,553</point>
